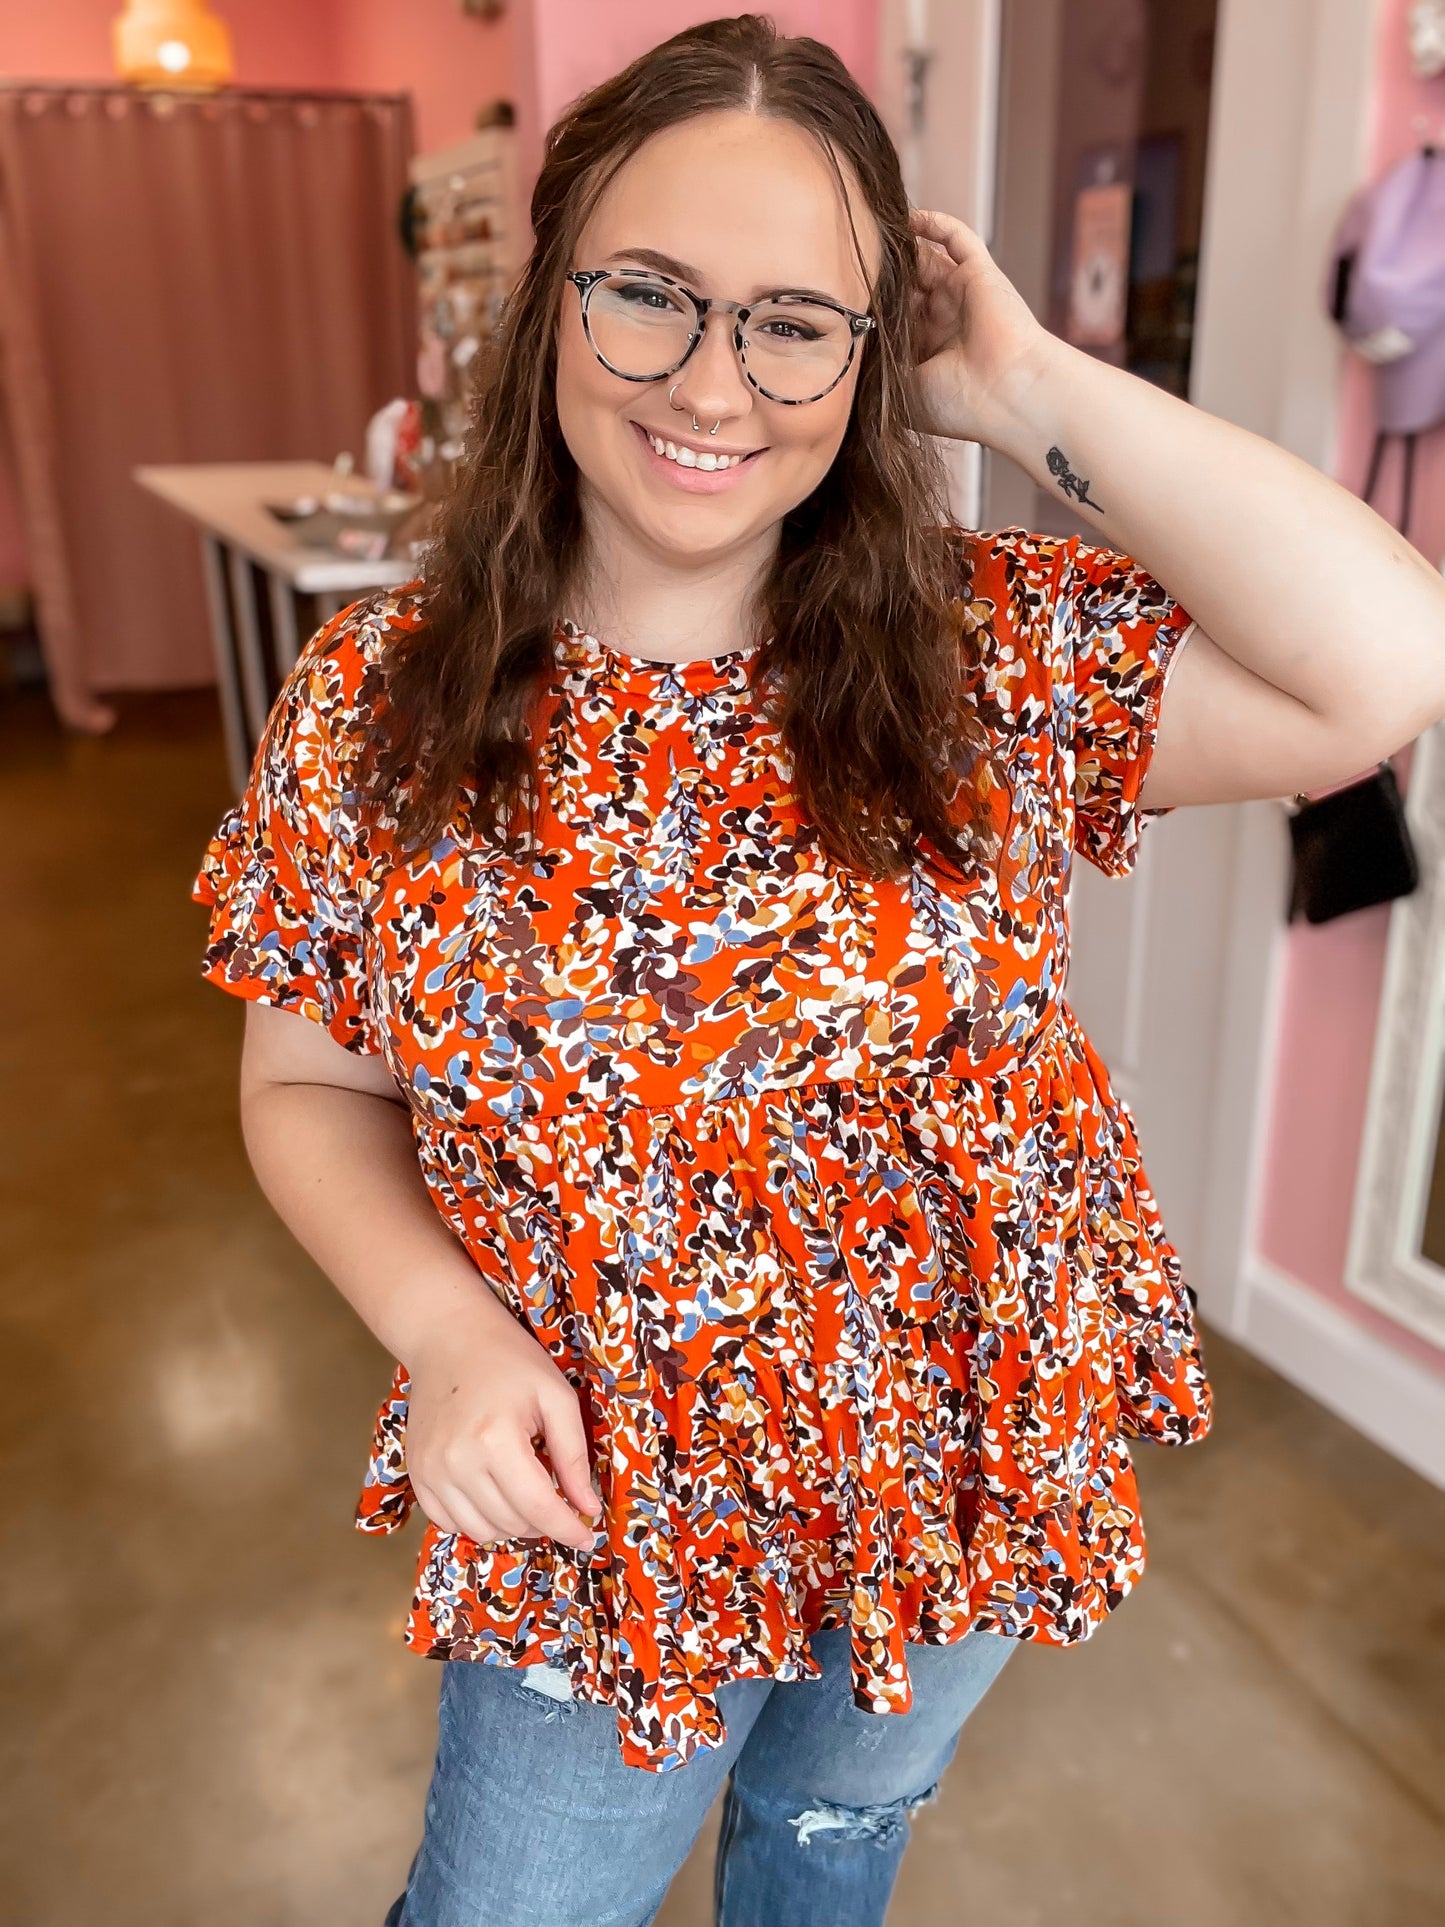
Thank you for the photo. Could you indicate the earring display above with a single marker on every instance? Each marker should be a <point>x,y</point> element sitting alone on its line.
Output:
<point>461,226</point>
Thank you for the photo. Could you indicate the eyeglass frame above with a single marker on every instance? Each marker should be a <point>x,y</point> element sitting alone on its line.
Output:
<point>586,279</point>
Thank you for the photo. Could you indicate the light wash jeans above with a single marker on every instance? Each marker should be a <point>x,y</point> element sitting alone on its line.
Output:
<point>533,1820</point>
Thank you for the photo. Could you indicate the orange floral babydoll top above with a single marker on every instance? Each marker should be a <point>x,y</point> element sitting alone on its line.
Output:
<point>812,1185</point>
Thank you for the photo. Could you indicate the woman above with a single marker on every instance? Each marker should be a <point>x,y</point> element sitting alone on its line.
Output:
<point>654,921</point>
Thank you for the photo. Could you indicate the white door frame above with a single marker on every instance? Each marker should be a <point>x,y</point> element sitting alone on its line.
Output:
<point>1289,135</point>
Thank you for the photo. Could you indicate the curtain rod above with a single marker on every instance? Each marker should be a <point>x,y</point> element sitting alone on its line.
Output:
<point>9,85</point>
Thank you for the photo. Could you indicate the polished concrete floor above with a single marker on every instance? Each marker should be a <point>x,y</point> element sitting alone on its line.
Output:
<point>208,1719</point>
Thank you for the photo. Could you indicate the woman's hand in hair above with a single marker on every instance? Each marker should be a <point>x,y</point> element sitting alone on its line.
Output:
<point>977,344</point>
<point>1319,644</point>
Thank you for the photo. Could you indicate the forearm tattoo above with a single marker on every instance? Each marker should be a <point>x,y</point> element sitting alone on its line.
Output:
<point>1072,484</point>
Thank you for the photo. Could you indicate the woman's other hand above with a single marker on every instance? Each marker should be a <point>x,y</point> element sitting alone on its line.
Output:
<point>976,341</point>
<point>484,1393</point>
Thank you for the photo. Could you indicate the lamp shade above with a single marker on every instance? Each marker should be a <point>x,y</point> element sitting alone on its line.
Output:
<point>172,43</point>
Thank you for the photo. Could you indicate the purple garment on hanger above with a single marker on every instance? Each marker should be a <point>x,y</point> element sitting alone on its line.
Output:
<point>1390,299</point>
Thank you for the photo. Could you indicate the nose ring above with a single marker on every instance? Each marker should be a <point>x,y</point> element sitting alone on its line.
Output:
<point>695,428</point>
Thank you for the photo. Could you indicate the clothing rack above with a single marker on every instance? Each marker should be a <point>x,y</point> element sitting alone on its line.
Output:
<point>1432,144</point>
<point>1407,487</point>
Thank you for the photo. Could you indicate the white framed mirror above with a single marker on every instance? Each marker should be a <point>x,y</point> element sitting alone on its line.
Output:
<point>1396,1257</point>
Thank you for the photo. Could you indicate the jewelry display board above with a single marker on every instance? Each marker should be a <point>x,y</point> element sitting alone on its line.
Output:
<point>464,227</point>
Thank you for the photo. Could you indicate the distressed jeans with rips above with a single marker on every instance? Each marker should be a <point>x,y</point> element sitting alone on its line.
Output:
<point>533,1819</point>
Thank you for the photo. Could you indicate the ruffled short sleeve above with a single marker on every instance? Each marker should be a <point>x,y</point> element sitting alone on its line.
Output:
<point>279,876</point>
<point>1118,632</point>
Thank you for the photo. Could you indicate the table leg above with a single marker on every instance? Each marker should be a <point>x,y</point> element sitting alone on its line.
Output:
<point>283,621</point>
<point>228,685</point>
<point>248,644</point>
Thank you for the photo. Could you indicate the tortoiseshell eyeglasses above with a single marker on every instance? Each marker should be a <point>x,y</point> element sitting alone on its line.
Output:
<point>643,326</point>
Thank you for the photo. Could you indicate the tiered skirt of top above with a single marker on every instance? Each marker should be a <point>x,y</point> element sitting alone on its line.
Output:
<point>811,1184</point>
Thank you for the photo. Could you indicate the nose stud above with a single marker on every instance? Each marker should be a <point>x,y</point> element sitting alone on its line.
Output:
<point>695,428</point>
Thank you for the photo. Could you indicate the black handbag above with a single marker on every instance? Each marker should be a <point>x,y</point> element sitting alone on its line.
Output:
<point>1352,849</point>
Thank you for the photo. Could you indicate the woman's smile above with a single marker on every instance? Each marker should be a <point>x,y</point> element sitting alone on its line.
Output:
<point>692,462</point>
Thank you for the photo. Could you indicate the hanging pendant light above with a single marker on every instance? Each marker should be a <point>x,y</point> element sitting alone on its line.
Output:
<point>172,43</point>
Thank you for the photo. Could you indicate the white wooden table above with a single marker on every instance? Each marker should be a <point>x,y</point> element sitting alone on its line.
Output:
<point>266,592</point>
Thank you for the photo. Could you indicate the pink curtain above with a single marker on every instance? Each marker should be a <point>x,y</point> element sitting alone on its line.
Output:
<point>182,279</point>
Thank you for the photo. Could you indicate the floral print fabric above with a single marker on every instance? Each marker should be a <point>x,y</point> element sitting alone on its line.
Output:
<point>811,1184</point>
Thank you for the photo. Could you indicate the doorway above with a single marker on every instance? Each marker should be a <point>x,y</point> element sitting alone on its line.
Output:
<point>1102,158</point>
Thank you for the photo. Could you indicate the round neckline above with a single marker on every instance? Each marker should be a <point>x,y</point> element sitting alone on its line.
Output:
<point>654,665</point>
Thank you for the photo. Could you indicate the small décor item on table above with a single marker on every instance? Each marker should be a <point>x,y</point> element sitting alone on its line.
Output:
<point>359,522</point>
<point>393,438</point>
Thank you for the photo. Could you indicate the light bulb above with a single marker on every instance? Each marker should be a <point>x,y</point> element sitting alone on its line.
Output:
<point>174,56</point>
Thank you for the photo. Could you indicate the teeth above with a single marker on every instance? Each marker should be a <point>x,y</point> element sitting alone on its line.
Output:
<point>690,458</point>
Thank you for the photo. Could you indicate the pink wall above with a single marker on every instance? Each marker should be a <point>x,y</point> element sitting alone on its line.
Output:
<point>1333,974</point>
<point>570,45</point>
<point>278,43</point>
<point>580,42</point>
<point>450,63</point>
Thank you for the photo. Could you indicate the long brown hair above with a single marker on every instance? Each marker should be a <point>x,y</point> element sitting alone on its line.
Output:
<point>863,654</point>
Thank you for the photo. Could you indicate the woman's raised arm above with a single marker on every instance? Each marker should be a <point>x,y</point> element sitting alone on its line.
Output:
<point>1321,643</point>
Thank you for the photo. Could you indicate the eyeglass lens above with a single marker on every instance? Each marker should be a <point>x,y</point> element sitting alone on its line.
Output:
<point>794,349</point>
